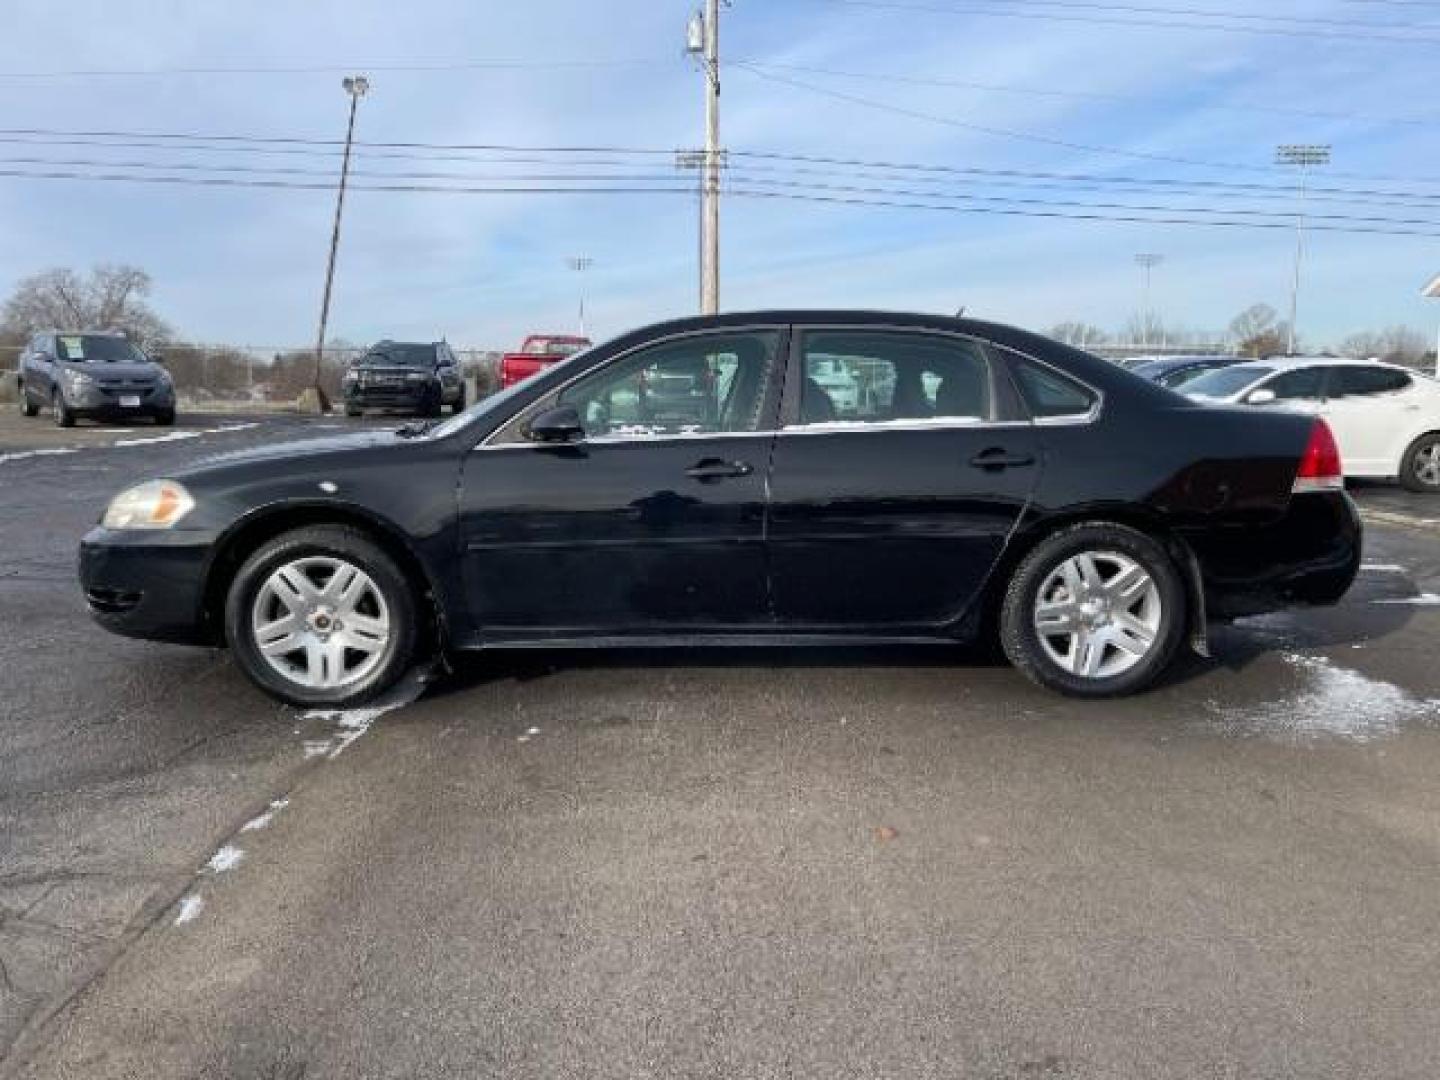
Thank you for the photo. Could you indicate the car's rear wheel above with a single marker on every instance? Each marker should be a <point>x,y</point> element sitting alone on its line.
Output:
<point>1420,468</point>
<point>61,411</point>
<point>166,418</point>
<point>1097,610</point>
<point>322,616</point>
<point>27,404</point>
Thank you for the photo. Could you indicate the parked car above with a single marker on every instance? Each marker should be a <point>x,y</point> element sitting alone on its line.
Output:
<point>1176,371</point>
<point>421,378</point>
<point>1003,484</point>
<point>538,352</point>
<point>92,374</point>
<point>1386,418</point>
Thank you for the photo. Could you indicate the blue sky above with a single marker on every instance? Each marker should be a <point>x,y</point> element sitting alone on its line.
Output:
<point>246,265</point>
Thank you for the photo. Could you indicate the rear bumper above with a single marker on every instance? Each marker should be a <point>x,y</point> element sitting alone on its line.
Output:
<point>1309,557</point>
<point>148,585</point>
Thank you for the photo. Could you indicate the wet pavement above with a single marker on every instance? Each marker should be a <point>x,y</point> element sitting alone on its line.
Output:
<point>817,863</point>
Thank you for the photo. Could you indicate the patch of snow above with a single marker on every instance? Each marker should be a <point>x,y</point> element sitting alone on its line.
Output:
<point>351,724</point>
<point>1424,599</point>
<point>225,429</point>
<point>1382,568</point>
<point>1335,702</point>
<point>260,821</point>
<point>227,858</point>
<point>173,436</point>
<point>49,451</point>
<point>190,908</point>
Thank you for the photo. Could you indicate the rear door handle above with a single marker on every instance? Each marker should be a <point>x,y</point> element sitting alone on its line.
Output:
<point>716,469</point>
<point>997,457</point>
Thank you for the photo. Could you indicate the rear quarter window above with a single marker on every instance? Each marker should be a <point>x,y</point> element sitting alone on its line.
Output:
<point>1048,394</point>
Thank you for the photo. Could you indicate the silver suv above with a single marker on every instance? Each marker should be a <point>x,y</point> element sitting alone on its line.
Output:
<point>93,374</point>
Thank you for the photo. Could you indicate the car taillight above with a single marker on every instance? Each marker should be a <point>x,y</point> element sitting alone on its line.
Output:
<point>1320,464</point>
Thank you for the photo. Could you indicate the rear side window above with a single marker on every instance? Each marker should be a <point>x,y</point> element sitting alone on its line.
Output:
<point>1048,394</point>
<point>1302,385</point>
<point>1363,381</point>
<point>892,377</point>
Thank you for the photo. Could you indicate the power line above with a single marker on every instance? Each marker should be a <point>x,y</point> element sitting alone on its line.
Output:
<point>328,69</point>
<point>1144,24</point>
<point>1082,95</point>
<point>1212,13</point>
<point>1065,215</point>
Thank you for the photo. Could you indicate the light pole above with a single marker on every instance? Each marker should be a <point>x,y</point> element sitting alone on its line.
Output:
<point>702,40</point>
<point>1147,261</point>
<point>1432,291</point>
<point>1304,156</point>
<point>356,86</point>
<point>581,263</point>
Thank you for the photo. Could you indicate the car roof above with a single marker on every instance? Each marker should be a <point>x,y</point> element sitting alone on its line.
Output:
<point>1320,361</point>
<point>85,333</point>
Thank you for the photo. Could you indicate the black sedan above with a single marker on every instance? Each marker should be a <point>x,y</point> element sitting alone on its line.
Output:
<point>981,480</point>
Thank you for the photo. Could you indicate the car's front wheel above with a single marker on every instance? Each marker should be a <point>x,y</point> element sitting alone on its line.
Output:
<point>64,417</point>
<point>322,616</point>
<point>27,404</point>
<point>1096,610</point>
<point>1420,470</point>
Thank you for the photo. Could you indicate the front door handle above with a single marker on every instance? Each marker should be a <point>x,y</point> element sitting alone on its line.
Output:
<point>715,469</point>
<point>997,457</point>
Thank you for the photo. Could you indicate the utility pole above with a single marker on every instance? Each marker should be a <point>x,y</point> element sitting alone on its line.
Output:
<point>1304,156</point>
<point>703,41</point>
<point>1147,260</point>
<point>581,263</point>
<point>356,86</point>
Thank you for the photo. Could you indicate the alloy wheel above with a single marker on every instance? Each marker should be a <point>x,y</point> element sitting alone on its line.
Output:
<point>320,622</point>
<point>1098,614</point>
<point>1427,464</point>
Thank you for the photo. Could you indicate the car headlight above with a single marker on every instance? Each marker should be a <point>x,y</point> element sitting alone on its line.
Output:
<point>78,380</point>
<point>155,504</point>
<point>349,377</point>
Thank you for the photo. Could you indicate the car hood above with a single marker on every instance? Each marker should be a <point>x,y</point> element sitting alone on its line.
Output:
<point>302,449</point>
<point>119,371</point>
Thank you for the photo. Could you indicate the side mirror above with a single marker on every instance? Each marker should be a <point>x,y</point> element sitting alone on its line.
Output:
<point>1260,397</point>
<point>559,424</point>
<point>157,358</point>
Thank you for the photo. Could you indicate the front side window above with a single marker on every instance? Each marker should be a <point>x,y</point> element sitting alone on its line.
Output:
<point>690,386</point>
<point>1365,381</point>
<point>1302,385</point>
<point>1223,382</point>
<point>892,377</point>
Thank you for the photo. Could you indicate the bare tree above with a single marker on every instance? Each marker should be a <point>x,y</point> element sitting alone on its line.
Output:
<point>1081,334</point>
<point>1257,331</point>
<point>109,298</point>
<point>1395,345</point>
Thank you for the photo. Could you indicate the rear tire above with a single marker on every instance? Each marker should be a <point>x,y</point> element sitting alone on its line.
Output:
<point>459,405</point>
<point>1112,605</point>
<point>27,406</point>
<point>64,417</point>
<point>1420,467</point>
<point>353,411</point>
<point>166,418</point>
<point>331,663</point>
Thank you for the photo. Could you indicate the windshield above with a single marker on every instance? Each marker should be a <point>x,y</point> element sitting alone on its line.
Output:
<point>476,411</point>
<point>401,355</point>
<point>1225,381</point>
<point>97,349</point>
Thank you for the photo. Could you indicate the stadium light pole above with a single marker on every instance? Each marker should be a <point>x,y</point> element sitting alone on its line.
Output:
<point>1303,156</point>
<point>702,41</point>
<point>1147,261</point>
<point>581,263</point>
<point>357,86</point>
<point>1432,292</point>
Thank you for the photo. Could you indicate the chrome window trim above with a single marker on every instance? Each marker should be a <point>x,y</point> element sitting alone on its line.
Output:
<point>544,402</point>
<point>831,427</point>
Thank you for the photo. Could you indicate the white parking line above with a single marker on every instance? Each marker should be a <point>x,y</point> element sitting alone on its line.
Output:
<point>146,440</point>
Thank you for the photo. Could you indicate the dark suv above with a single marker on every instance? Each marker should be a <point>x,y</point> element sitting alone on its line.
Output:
<point>405,375</point>
<point>93,374</point>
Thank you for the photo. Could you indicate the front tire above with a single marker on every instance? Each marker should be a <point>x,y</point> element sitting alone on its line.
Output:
<point>27,406</point>
<point>1097,610</point>
<point>64,417</point>
<point>1420,467</point>
<point>322,616</point>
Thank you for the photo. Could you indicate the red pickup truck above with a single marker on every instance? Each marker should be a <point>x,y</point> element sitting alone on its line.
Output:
<point>537,352</point>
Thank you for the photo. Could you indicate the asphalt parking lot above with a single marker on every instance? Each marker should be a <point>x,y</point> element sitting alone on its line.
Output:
<point>832,863</point>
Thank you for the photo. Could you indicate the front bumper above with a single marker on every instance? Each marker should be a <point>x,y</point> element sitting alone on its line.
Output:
<point>104,401</point>
<point>392,397</point>
<point>1311,556</point>
<point>148,584</point>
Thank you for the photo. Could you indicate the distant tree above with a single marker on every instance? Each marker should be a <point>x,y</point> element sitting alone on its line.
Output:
<point>1256,332</point>
<point>1080,334</point>
<point>109,298</point>
<point>1395,345</point>
<point>1147,328</point>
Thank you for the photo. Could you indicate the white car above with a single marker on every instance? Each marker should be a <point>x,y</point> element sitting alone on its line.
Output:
<point>1386,419</point>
